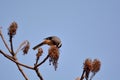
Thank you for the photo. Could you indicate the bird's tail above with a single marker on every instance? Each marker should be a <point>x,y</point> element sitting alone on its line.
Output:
<point>34,48</point>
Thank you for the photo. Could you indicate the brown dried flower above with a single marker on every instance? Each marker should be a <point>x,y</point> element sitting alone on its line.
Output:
<point>88,64</point>
<point>53,56</point>
<point>87,67</point>
<point>26,48</point>
<point>12,29</point>
<point>96,65</point>
<point>40,51</point>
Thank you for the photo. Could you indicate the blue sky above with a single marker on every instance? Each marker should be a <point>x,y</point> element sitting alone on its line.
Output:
<point>87,28</point>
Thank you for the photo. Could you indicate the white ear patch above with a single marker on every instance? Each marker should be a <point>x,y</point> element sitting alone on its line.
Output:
<point>59,45</point>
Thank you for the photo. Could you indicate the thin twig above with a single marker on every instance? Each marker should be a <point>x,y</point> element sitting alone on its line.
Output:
<point>4,42</point>
<point>37,59</point>
<point>6,55</point>
<point>15,60</point>
<point>82,76</point>
<point>36,67</point>
<point>11,58</point>
<point>43,61</point>
<point>11,45</point>
<point>13,54</point>
<point>20,69</point>
<point>38,73</point>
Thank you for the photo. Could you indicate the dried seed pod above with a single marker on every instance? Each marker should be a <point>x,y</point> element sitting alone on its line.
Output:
<point>96,65</point>
<point>53,56</point>
<point>12,29</point>
<point>88,64</point>
<point>26,48</point>
<point>40,51</point>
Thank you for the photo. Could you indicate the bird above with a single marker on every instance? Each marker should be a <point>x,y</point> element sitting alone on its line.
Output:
<point>51,40</point>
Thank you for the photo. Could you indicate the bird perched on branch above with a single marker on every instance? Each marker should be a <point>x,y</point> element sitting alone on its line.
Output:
<point>52,40</point>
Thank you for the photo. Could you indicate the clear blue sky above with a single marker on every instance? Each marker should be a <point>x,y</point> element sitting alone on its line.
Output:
<point>87,28</point>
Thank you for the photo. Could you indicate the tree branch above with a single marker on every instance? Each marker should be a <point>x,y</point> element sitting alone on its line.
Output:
<point>82,76</point>
<point>11,45</point>
<point>11,58</point>
<point>4,41</point>
<point>38,73</point>
<point>42,61</point>
<point>20,69</point>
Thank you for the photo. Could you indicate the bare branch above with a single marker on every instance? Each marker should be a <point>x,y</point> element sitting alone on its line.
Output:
<point>12,59</point>
<point>4,41</point>
<point>39,53</point>
<point>17,63</point>
<point>11,45</point>
<point>43,61</point>
<point>38,73</point>
<point>6,55</point>
<point>82,76</point>
<point>20,69</point>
